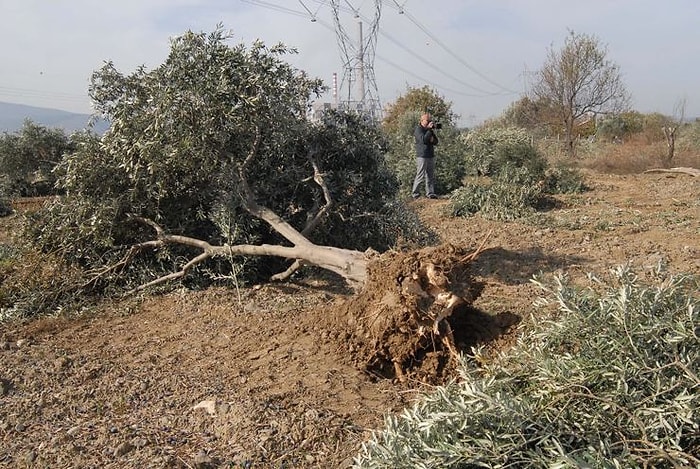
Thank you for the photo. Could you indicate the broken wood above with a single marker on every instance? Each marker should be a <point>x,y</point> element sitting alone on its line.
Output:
<point>683,170</point>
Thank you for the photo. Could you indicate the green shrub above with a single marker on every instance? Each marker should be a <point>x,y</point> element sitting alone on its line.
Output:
<point>519,177</point>
<point>28,157</point>
<point>499,200</point>
<point>491,147</point>
<point>610,380</point>
<point>564,179</point>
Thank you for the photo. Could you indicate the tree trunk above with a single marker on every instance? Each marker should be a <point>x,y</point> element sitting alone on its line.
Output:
<point>570,140</point>
<point>412,313</point>
<point>670,133</point>
<point>349,264</point>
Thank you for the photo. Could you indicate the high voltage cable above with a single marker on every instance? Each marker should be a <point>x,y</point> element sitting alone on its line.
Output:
<point>425,61</point>
<point>32,93</point>
<point>401,9</point>
<point>425,80</point>
<point>413,20</point>
<point>276,7</point>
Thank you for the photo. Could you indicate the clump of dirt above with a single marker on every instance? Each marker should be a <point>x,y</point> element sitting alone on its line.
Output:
<point>415,314</point>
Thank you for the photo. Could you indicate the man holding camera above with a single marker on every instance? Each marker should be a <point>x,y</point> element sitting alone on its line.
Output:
<point>426,140</point>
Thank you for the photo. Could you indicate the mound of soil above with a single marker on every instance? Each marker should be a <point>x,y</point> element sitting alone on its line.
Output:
<point>415,315</point>
<point>299,374</point>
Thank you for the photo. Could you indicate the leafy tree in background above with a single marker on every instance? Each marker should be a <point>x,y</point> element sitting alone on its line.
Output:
<point>417,101</point>
<point>538,117</point>
<point>28,157</point>
<point>620,126</point>
<point>214,145</point>
<point>401,117</point>
<point>579,80</point>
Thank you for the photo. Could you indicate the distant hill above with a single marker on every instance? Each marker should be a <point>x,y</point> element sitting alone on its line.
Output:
<point>12,117</point>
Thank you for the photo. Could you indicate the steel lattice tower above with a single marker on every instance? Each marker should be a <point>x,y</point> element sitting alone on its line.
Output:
<point>358,84</point>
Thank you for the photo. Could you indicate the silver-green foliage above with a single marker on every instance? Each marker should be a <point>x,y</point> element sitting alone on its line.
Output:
<point>486,143</point>
<point>499,200</point>
<point>28,157</point>
<point>183,137</point>
<point>610,380</point>
<point>514,178</point>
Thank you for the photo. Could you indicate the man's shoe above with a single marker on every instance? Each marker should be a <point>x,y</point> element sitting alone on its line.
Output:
<point>415,196</point>
<point>432,196</point>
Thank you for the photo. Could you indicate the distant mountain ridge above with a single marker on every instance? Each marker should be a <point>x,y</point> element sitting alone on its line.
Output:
<point>12,117</point>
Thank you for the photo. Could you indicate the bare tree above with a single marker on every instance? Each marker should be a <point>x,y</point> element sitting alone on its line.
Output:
<point>580,81</point>
<point>670,132</point>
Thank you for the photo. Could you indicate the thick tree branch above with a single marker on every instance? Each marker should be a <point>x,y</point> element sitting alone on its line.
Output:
<point>318,178</point>
<point>691,171</point>
<point>296,265</point>
<point>349,264</point>
<point>265,214</point>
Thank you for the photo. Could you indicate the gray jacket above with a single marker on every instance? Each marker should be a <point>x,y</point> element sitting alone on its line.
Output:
<point>425,142</point>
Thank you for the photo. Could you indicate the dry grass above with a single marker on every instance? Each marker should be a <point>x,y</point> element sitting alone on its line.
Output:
<point>633,157</point>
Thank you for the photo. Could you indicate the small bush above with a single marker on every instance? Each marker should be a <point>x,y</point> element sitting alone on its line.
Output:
<point>499,200</point>
<point>491,147</point>
<point>610,380</point>
<point>520,177</point>
<point>564,179</point>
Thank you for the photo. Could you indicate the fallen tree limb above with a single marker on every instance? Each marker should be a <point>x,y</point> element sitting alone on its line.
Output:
<point>351,265</point>
<point>683,170</point>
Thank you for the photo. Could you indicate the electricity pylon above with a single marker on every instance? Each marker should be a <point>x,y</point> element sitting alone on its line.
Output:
<point>358,84</point>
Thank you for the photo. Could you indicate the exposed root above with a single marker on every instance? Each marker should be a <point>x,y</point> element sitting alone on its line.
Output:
<point>400,321</point>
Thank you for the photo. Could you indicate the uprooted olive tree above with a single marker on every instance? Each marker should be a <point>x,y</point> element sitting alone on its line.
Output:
<point>211,170</point>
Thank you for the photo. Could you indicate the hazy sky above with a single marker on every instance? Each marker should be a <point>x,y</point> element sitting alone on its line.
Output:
<point>479,55</point>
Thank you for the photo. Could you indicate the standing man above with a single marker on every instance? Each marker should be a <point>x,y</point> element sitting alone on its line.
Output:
<point>425,156</point>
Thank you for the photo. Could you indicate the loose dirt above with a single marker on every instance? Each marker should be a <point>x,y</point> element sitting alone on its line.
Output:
<point>269,377</point>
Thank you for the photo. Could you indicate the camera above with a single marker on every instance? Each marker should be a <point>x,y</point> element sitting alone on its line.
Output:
<point>436,125</point>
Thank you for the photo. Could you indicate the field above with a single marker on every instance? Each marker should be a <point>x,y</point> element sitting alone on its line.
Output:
<point>258,378</point>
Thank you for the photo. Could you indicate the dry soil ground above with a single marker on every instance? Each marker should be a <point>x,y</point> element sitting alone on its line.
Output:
<point>253,378</point>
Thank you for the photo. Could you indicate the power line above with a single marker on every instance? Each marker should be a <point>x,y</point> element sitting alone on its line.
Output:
<point>425,80</point>
<point>436,68</point>
<point>273,6</point>
<point>483,93</point>
<point>344,40</point>
<point>34,93</point>
<point>413,20</point>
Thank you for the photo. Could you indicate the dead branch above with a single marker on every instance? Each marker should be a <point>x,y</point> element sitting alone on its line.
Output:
<point>349,264</point>
<point>471,257</point>
<point>683,170</point>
